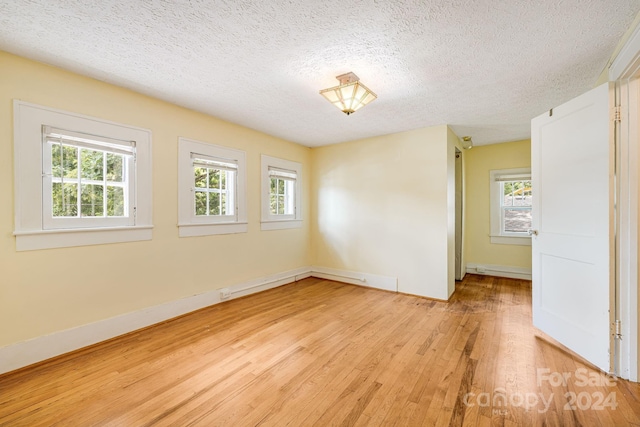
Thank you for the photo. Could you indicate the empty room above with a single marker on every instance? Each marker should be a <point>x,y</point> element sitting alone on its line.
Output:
<point>193,234</point>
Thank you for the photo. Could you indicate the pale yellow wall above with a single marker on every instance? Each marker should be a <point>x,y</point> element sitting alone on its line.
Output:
<point>478,162</point>
<point>381,207</point>
<point>50,290</point>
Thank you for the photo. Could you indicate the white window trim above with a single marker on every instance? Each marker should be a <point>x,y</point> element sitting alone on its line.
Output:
<point>496,235</point>
<point>28,155</point>
<point>188,224</point>
<point>272,222</point>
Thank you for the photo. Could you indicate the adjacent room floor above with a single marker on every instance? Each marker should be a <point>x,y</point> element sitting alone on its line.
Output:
<point>318,352</point>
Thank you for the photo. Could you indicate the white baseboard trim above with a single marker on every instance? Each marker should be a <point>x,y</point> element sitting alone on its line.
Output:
<point>268,282</point>
<point>25,353</point>
<point>363,279</point>
<point>499,271</point>
<point>18,355</point>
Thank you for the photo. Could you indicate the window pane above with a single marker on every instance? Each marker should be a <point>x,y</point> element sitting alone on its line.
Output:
<point>289,197</point>
<point>92,200</point>
<point>273,184</point>
<point>507,188</point>
<point>280,205</point>
<point>115,165</point>
<point>56,161</point>
<point>115,201</point>
<point>288,209</point>
<point>200,175</point>
<point>223,179</point>
<point>201,203</point>
<point>517,220</point>
<point>57,207</point>
<point>214,178</point>
<point>281,186</point>
<point>70,162</point>
<point>92,165</point>
<point>273,204</point>
<point>525,195</point>
<point>516,193</point>
<point>223,204</point>
<point>214,204</point>
<point>70,201</point>
<point>64,203</point>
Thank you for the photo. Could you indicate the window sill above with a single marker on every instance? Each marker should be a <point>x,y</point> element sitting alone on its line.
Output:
<point>511,240</point>
<point>280,225</point>
<point>65,238</point>
<point>194,230</point>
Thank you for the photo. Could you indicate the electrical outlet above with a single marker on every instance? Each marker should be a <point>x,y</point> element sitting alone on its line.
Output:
<point>225,293</point>
<point>481,269</point>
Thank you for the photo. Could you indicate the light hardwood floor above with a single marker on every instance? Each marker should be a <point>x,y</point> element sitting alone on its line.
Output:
<point>322,353</point>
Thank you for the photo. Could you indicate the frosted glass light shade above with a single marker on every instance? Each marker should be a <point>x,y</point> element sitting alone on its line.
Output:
<point>350,95</point>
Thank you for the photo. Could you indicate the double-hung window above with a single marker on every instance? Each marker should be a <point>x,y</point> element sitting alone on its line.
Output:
<point>88,180</point>
<point>214,188</point>
<point>79,180</point>
<point>281,193</point>
<point>211,192</point>
<point>511,202</point>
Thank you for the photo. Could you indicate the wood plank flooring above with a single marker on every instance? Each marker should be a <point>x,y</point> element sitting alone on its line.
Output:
<point>322,353</point>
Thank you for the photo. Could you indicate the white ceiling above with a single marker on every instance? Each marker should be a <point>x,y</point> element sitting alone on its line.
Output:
<point>483,67</point>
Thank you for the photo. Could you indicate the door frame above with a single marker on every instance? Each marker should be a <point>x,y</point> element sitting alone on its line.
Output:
<point>625,72</point>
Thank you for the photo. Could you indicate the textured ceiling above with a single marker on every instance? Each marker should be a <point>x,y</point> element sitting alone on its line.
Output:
<point>483,67</point>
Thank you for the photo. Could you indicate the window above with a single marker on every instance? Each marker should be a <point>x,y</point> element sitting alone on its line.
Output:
<point>515,206</point>
<point>214,187</point>
<point>211,190</point>
<point>511,201</point>
<point>79,180</point>
<point>281,193</point>
<point>87,180</point>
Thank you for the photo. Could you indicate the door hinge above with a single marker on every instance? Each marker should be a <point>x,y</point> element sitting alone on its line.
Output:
<point>617,115</point>
<point>618,330</point>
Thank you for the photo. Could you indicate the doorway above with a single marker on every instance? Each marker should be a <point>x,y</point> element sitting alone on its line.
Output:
<point>459,272</point>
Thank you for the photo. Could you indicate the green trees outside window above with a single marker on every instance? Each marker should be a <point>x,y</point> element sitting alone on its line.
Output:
<point>87,182</point>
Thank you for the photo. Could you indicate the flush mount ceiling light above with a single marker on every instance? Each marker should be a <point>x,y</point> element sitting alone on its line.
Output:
<point>350,95</point>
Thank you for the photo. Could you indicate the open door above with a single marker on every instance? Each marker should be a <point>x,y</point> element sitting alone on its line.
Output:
<point>572,228</point>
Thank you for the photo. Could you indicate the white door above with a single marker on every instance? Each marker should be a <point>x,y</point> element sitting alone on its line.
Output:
<point>572,171</point>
